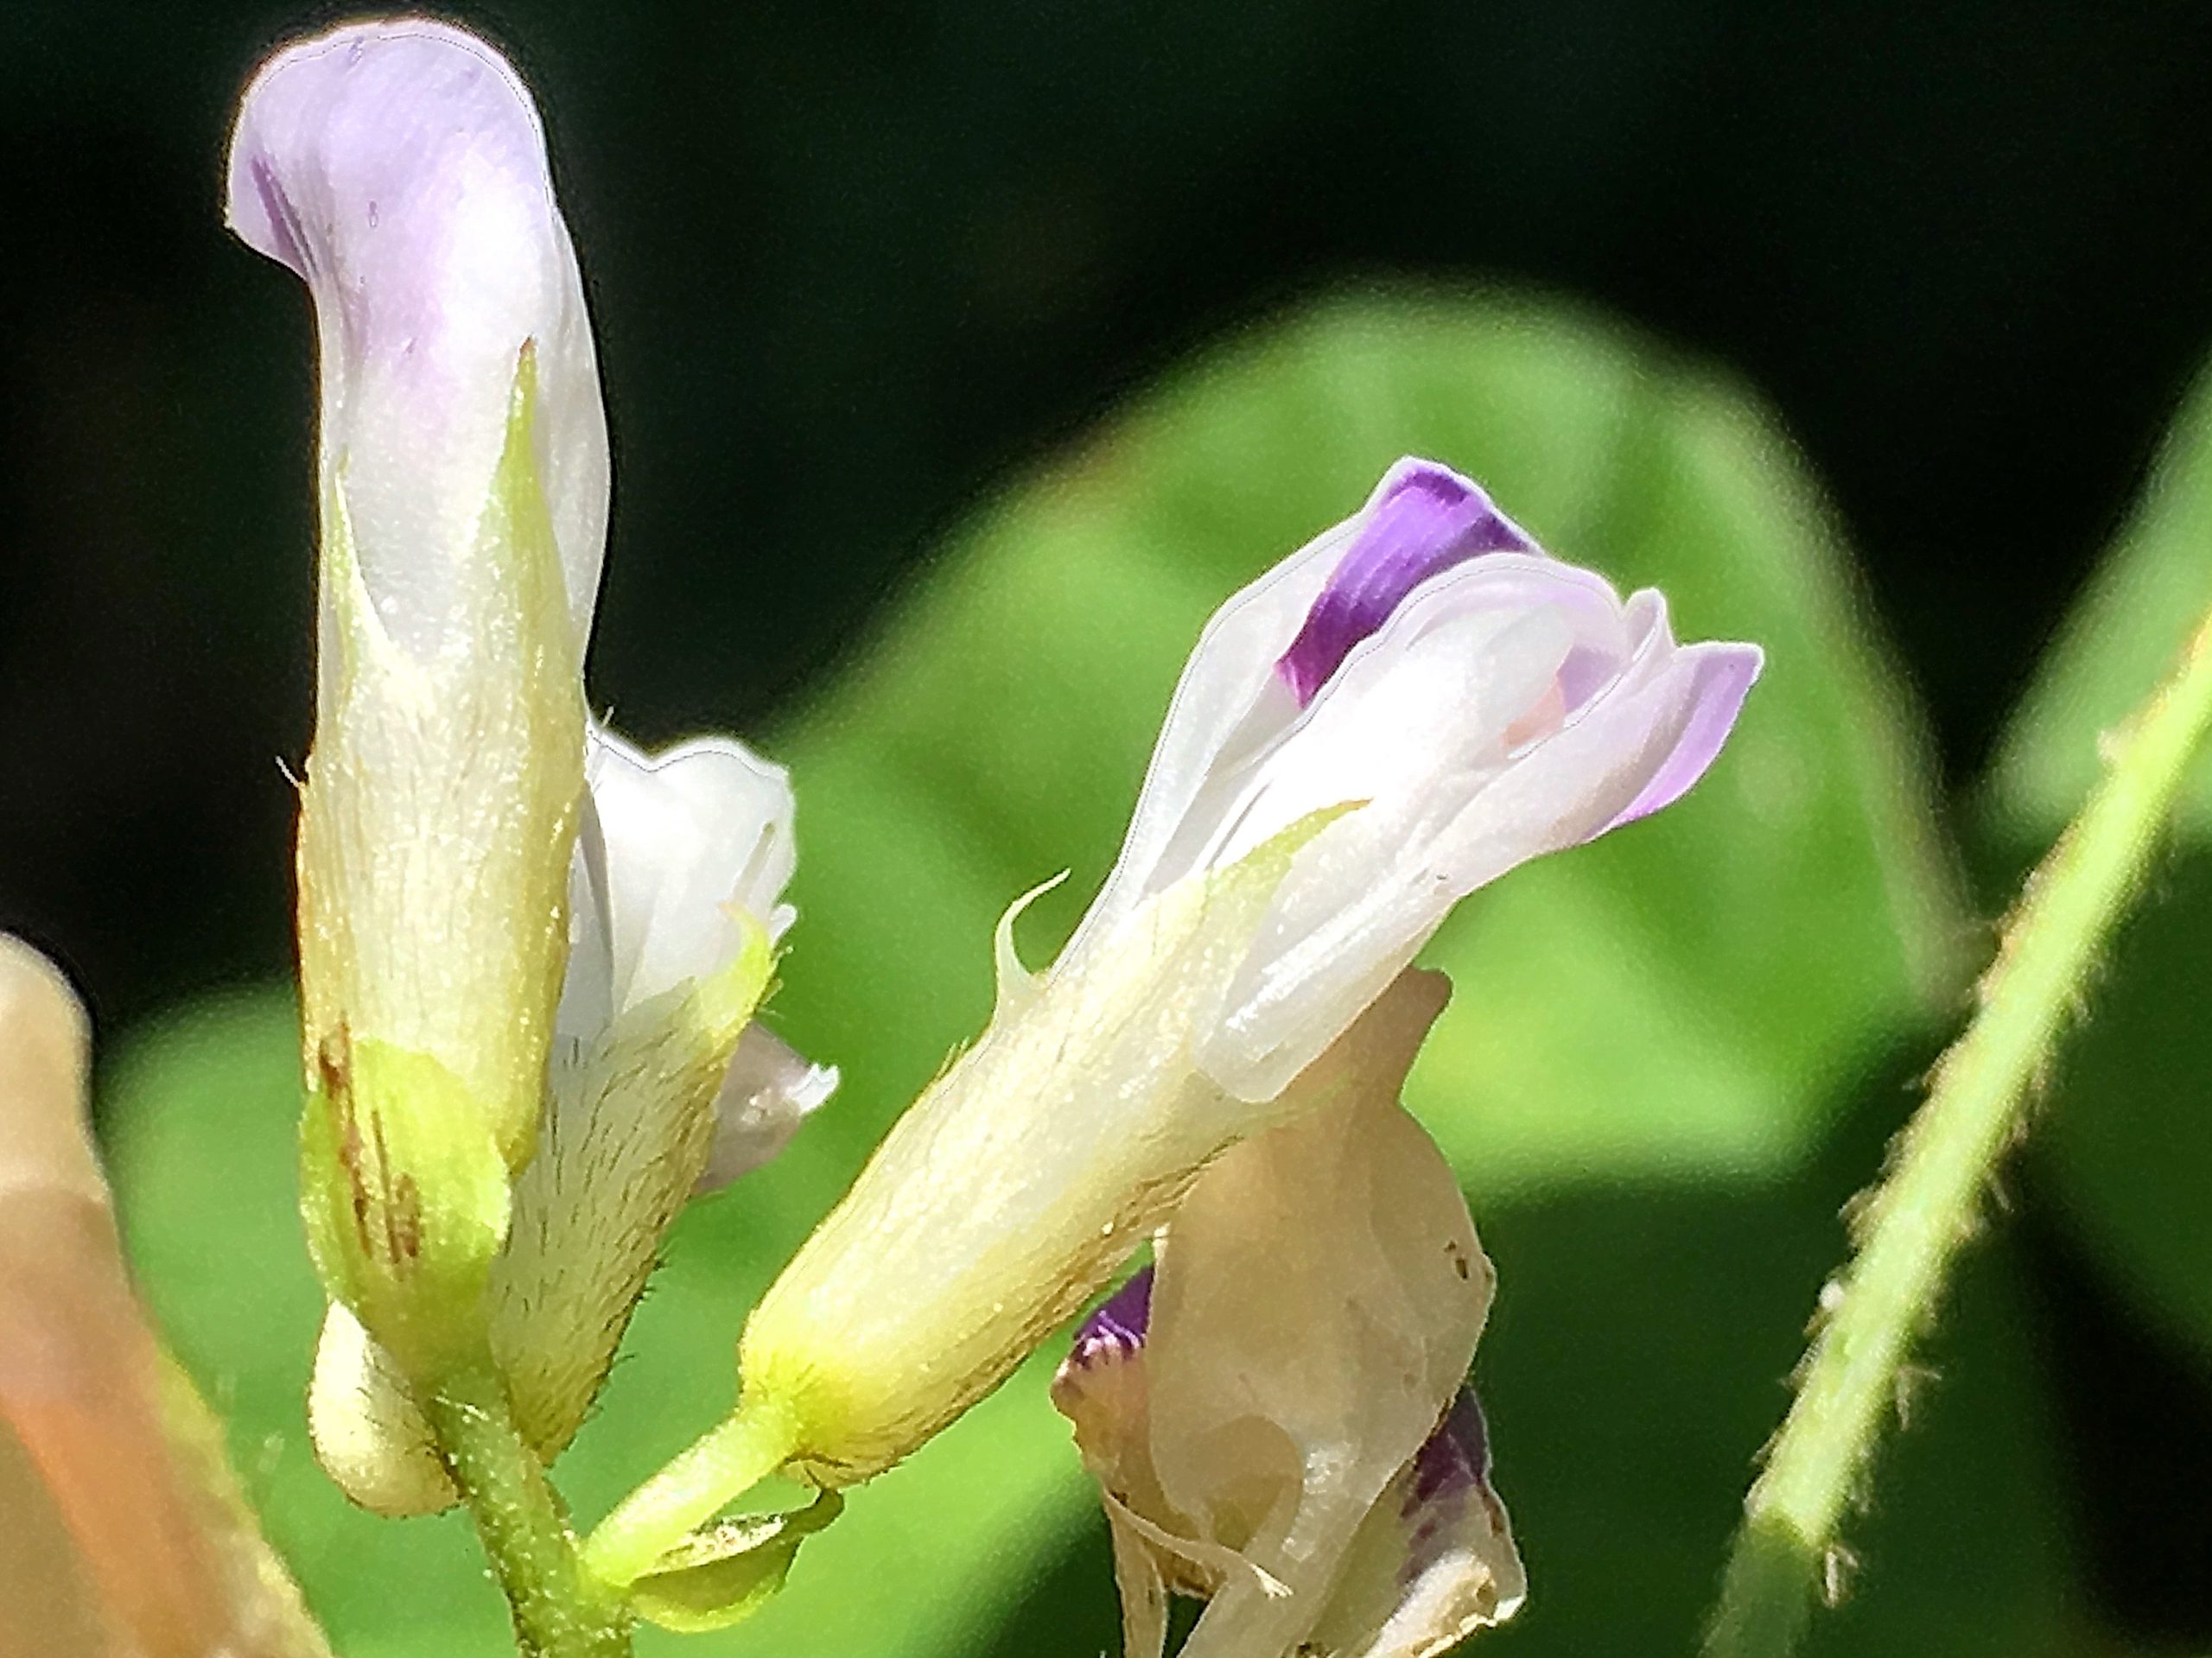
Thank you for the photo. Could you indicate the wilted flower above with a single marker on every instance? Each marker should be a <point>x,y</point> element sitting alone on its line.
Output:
<point>1277,1417</point>
<point>1398,714</point>
<point>529,953</point>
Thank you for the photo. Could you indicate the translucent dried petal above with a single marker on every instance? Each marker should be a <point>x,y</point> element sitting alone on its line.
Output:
<point>1268,1437</point>
<point>1435,1560</point>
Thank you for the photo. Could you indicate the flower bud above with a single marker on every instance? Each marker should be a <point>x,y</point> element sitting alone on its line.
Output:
<point>398,168</point>
<point>678,905</point>
<point>528,954</point>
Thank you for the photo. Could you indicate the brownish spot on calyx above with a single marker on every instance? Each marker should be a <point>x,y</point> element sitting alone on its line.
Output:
<point>387,1205</point>
<point>333,1063</point>
<point>401,1209</point>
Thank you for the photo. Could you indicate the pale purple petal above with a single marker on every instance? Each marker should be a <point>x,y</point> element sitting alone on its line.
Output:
<point>1371,890</point>
<point>1423,519</point>
<point>355,159</point>
<point>1721,676</point>
<point>399,167</point>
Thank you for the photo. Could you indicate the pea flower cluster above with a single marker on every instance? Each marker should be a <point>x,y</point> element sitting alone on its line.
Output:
<point>531,956</point>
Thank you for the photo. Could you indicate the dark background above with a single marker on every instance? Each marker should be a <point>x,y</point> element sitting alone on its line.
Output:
<point>852,263</point>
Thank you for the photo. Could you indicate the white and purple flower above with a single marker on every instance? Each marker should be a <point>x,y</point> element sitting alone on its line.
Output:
<point>1394,716</point>
<point>1487,702</point>
<point>398,168</point>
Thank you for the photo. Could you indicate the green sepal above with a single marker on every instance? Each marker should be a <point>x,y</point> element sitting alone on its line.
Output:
<point>719,1005</point>
<point>1039,1159</point>
<point>405,1199</point>
<point>715,1578</point>
<point>631,1127</point>
<point>442,795</point>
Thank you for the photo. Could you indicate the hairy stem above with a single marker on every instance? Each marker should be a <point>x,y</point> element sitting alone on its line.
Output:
<point>1926,1207</point>
<point>560,1611</point>
<point>724,1463</point>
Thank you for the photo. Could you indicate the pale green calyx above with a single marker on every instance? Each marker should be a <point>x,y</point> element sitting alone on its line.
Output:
<point>626,1133</point>
<point>1032,1168</point>
<point>630,1128</point>
<point>441,806</point>
<point>435,830</point>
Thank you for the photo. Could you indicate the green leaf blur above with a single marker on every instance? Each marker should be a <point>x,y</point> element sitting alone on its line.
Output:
<point>1670,1057</point>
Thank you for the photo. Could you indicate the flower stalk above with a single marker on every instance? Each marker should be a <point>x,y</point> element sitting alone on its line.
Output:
<point>719,1467</point>
<point>1926,1208</point>
<point>559,1610</point>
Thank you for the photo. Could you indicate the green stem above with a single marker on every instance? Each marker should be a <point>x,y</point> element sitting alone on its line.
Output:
<point>725,1463</point>
<point>559,1611</point>
<point>1925,1208</point>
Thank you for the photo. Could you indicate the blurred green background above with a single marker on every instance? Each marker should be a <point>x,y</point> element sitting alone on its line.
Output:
<point>960,360</point>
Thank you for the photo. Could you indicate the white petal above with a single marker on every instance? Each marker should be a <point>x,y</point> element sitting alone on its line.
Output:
<point>675,844</point>
<point>1419,724</point>
<point>1231,672</point>
<point>1460,810</point>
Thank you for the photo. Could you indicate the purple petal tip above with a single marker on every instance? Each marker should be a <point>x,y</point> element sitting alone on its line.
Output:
<point>1423,518</point>
<point>1117,1327</point>
<point>366,122</point>
<point>1721,676</point>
